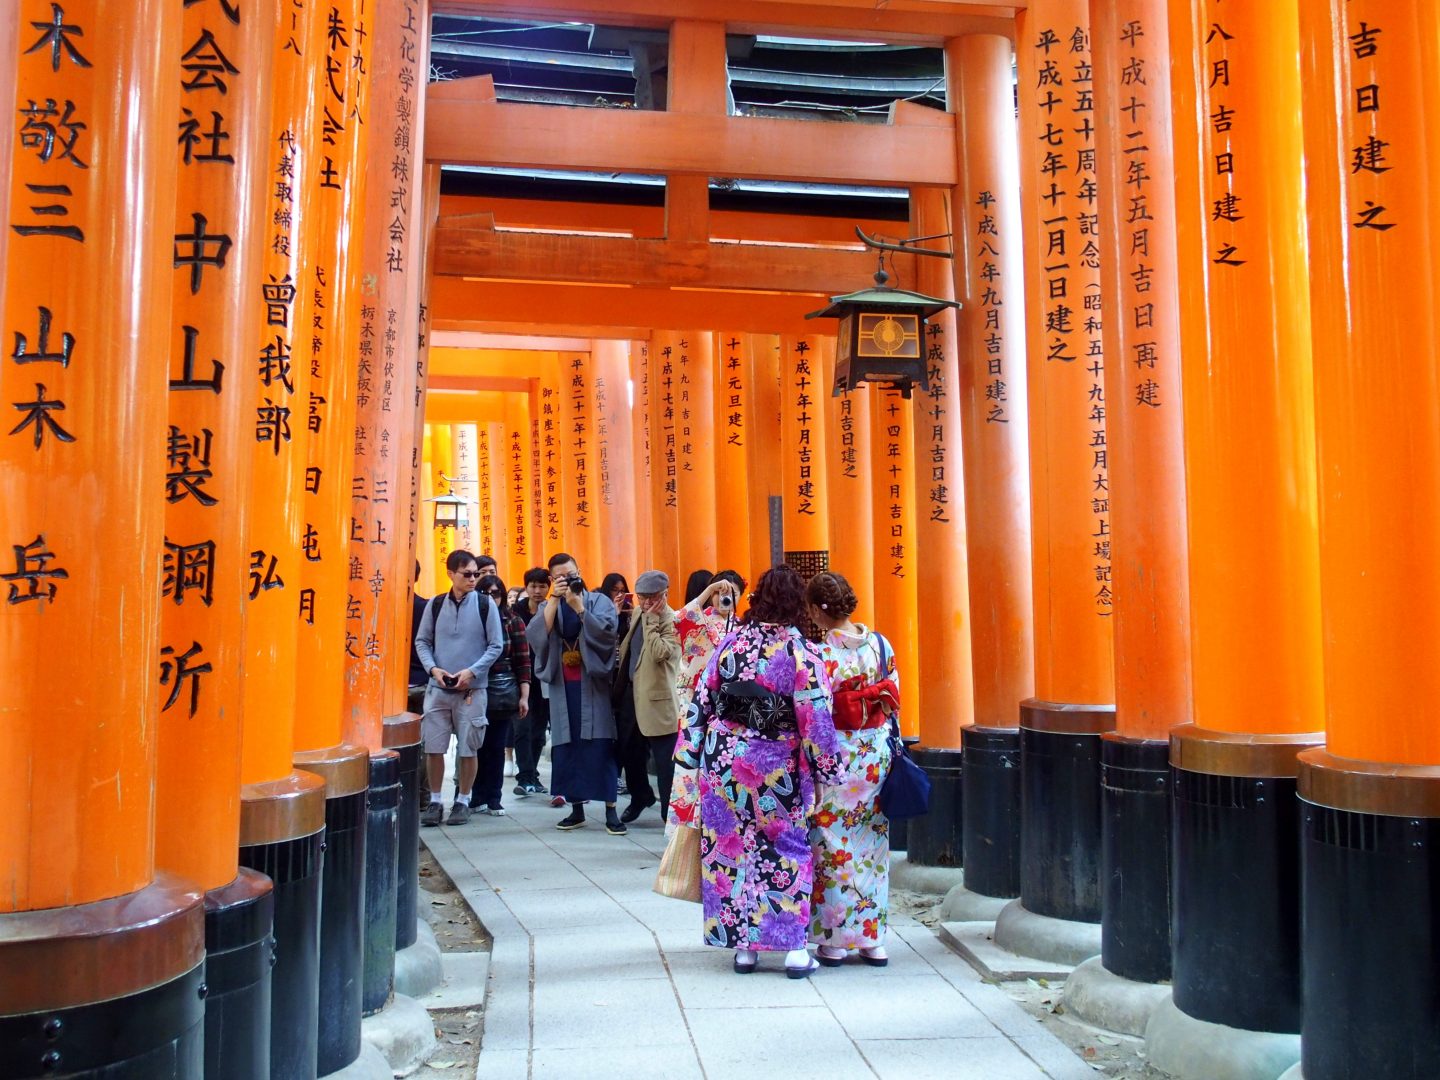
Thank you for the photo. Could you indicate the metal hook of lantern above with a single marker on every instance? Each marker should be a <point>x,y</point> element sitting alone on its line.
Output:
<point>881,334</point>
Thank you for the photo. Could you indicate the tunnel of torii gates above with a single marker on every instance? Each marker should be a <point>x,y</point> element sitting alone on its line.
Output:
<point>1150,547</point>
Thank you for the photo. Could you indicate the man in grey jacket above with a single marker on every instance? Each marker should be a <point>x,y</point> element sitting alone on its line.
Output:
<point>459,638</point>
<point>572,647</point>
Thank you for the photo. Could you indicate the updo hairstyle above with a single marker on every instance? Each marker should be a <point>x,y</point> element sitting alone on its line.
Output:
<point>832,594</point>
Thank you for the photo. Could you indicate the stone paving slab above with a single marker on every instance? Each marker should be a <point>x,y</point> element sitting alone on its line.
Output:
<point>593,976</point>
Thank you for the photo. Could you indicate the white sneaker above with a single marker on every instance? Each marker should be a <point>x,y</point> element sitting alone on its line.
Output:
<point>509,767</point>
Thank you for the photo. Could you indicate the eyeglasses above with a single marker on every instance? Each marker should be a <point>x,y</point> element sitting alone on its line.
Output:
<point>496,592</point>
<point>470,573</point>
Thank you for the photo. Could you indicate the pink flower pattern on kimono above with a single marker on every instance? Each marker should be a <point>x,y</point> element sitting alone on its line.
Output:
<point>851,834</point>
<point>756,794</point>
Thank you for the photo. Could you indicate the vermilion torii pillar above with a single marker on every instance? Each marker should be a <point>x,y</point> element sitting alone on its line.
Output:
<point>1370,810</point>
<point>282,810</point>
<point>579,501</point>
<point>642,527</point>
<point>852,521</point>
<point>762,356</point>
<point>665,460</point>
<point>89,932</point>
<point>806,492</point>
<point>333,277</point>
<point>694,363</point>
<point>733,428</point>
<point>1254,580</point>
<point>993,419</point>
<point>892,476</point>
<point>1145,434</point>
<point>1060,727</point>
<point>615,488</point>
<point>947,694</point>
<point>223,154</point>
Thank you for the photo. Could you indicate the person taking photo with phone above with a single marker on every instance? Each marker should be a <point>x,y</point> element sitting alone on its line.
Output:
<point>459,639</point>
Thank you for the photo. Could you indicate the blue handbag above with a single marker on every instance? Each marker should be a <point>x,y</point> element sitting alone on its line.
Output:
<point>906,790</point>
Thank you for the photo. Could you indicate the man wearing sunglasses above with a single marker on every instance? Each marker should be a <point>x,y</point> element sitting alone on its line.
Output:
<point>458,640</point>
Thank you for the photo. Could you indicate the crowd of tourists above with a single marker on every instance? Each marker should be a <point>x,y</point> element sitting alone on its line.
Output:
<point>769,718</point>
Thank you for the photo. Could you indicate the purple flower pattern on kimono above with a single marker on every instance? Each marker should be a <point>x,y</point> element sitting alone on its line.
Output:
<point>757,794</point>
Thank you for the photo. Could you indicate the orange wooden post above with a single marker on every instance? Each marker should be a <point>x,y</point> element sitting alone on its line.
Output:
<point>694,362</point>
<point>947,697</point>
<point>552,440</point>
<point>1146,499</point>
<point>805,491</point>
<point>580,503</point>
<point>518,488</point>
<point>474,533</point>
<point>762,356</point>
<point>1250,479</point>
<point>1074,680</point>
<point>892,474</point>
<point>441,466</point>
<point>1371,154</point>
<point>417,544</point>
<point>852,498</point>
<point>733,423</point>
<point>640,450</point>
<point>282,810</point>
<point>92,194</point>
<point>209,440</point>
<point>665,460</point>
<point>994,424</point>
<point>327,638</point>
<point>492,452</point>
<point>613,459</point>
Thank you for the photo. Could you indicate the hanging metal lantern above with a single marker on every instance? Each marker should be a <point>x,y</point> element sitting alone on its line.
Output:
<point>451,511</point>
<point>881,338</point>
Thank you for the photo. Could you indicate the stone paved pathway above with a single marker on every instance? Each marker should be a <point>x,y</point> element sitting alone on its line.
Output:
<point>595,976</point>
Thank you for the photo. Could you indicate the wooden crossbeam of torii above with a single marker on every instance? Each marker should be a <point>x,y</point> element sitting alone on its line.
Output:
<point>910,22</point>
<point>462,127</point>
<point>473,247</point>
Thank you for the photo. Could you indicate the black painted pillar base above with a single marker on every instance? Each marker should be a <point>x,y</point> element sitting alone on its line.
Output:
<point>990,792</point>
<point>1061,828</point>
<point>937,838</point>
<point>239,953</point>
<point>282,835</point>
<point>381,835</point>
<point>110,990</point>
<point>1235,834</point>
<point>1370,859</point>
<point>346,771</point>
<point>402,734</point>
<point>1135,857</point>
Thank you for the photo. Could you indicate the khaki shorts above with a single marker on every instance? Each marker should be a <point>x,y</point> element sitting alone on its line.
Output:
<point>453,712</point>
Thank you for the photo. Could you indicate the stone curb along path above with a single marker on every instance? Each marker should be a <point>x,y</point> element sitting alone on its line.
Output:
<point>592,975</point>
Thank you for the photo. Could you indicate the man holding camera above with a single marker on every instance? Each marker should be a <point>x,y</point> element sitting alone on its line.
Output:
<point>458,640</point>
<point>572,645</point>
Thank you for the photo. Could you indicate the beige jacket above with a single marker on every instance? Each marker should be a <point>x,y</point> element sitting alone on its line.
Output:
<point>652,649</point>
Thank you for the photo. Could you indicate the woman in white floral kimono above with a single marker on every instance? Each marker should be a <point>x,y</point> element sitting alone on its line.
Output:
<point>851,836</point>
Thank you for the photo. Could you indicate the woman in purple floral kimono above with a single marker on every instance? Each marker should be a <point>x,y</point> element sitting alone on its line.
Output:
<point>759,731</point>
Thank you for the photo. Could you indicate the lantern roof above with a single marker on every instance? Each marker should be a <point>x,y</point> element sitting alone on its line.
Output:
<point>879,298</point>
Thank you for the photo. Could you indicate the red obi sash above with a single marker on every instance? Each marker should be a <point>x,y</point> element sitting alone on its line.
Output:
<point>859,705</point>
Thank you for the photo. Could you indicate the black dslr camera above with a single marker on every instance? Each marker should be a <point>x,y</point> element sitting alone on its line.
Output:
<point>575,583</point>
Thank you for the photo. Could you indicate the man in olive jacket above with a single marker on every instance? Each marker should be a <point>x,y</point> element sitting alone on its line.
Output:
<point>652,649</point>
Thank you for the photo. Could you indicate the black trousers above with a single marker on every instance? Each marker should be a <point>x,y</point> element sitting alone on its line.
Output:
<point>530,735</point>
<point>634,753</point>
<point>662,750</point>
<point>490,770</point>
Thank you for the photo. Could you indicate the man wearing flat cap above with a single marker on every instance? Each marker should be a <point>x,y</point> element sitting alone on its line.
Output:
<point>652,649</point>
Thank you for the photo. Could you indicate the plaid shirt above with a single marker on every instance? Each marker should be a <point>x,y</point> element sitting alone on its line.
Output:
<point>517,650</point>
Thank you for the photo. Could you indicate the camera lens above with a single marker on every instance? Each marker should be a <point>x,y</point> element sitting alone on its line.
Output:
<point>725,602</point>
